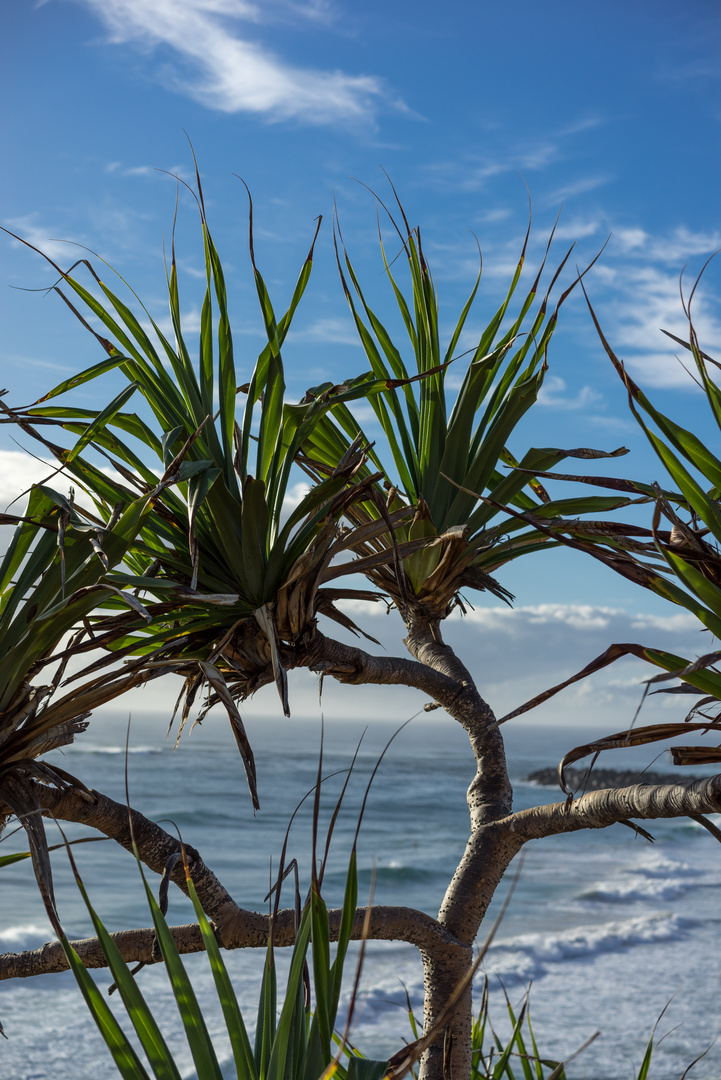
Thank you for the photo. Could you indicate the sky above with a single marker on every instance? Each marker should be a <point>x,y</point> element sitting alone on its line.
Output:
<point>608,112</point>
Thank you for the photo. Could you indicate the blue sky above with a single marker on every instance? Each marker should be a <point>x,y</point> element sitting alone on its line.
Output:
<point>610,111</point>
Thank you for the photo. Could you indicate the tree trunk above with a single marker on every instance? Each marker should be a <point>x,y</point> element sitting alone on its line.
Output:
<point>485,859</point>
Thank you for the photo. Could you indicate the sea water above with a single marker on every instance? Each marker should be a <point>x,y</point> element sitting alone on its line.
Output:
<point>605,926</point>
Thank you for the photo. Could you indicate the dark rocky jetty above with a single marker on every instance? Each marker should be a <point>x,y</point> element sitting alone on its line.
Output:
<point>579,780</point>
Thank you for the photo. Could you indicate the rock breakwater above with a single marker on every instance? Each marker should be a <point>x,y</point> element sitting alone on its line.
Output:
<point>580,780</point>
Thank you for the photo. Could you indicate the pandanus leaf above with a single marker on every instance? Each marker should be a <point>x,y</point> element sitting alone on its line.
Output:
<point>641,736</point>
<point>707,681</point>
<point>427,446</point>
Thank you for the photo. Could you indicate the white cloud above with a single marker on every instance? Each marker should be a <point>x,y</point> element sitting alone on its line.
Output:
<point>576,127</point>
<point>234,72</point>
<point>294,496</point>
<point>516,653</point>
<point>673,247</point>
<point>577,228</point>
<point>681,622</point>
<point>645,299</point>
<point>116,168</point>
<point>691,71</point>
<point>43,237</point>
<point>330,330</point>
<point>118,226</point>
<point>682,244</point>
<point>612,423</point>
<point>19,471</point>
<point>516,621</point>
<point>659,369</point>
<point>630,239</point>
<point>576,187</point>
<point>189,323</point>
<point>553,395</point>
<point>472,173</point>
<point>509,620</point>
<point>538,156</point>
<point>492,217</point>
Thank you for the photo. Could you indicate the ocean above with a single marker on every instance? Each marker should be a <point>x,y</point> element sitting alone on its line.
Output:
<point>605,926</point>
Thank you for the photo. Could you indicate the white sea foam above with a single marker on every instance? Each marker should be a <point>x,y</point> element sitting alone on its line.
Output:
<point>19,938</point>
<point>653,877</point>
<point>89,748</point>
<point>528,956</point>
<point>657,865</point>
<point>630,888</point>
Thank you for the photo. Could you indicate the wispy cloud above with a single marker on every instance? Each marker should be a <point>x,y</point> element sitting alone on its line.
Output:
<point>673,247</point>
<point>693,70</point>
<point>518,622</point>
<point>681,244</point>
<point>581,186</point>
<point>117,168</point>
<point>189,321</point>
<point>553,395</point>
<point>612,424</point>
<point>473,172</point>
<point>513,621</point>
<point>491,217</point>
<point>44,237</point>
<point>682,622</point>
<point>106,227</point>
<point>18,472</point>
<point>576,127</point>
<point>630,239</point>
<point>578,228</point>
<point>646,302</point>
<point>217,40</point>
<point>536,154</point>
<point>329,330</point>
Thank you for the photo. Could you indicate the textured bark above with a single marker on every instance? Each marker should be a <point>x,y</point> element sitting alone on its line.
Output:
<point>134,945</point>
<point>387,923</point>
<point>490,795</point>
<point>236,927</point>
<point>599,809</point>
<point>443,972</point>
<point>349,664</point>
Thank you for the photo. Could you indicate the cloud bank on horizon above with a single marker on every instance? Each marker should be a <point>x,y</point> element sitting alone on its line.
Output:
<point>513,654</point>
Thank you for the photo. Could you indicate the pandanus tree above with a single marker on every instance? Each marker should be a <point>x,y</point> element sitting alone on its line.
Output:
<point>233,585</point>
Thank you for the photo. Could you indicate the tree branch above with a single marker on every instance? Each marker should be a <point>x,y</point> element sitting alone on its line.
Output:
<point>439,673</point>
<point>490,796</point>
<point>349,664</point>
<point>250,931</point>
<point>134,945</point>
<point>154,844</point>
<point>599,809</point>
